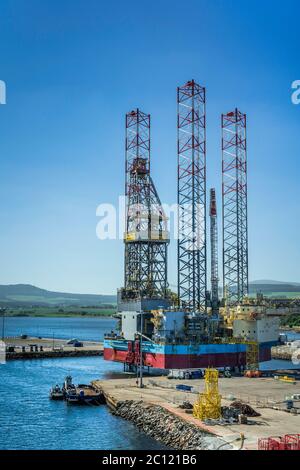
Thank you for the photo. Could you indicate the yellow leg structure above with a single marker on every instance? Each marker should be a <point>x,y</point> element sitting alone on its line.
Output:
<point>208,405</point>
<point>252,356</point>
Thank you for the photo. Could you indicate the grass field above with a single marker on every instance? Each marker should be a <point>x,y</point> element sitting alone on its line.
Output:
<point>38,299</point>
<point>279,295</point>
<point>60,312</point>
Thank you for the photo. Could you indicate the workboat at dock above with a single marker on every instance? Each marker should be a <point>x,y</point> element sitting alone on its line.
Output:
<point>81,394</point>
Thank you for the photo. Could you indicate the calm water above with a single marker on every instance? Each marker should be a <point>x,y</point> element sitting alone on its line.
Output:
<point>29,420</point>
<point>91,329</point>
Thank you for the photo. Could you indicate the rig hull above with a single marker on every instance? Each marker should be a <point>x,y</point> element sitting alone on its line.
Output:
<point>162,356</point>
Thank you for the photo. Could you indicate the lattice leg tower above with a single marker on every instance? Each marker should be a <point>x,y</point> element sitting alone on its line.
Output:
<point>192,282</point>
<point>146,235</point>
<point>234,197</point>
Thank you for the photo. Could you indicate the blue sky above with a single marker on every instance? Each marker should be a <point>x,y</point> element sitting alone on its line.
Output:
<point>73,68</point>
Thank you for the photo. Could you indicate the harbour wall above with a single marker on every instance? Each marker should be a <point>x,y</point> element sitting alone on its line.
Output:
<point>52,354</point>
<point>43,348</point>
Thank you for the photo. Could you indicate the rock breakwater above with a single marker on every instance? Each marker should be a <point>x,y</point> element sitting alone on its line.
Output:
<point>167,428</point>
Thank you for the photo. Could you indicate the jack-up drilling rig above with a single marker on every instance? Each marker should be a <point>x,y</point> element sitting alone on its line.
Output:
<point>185,337</point>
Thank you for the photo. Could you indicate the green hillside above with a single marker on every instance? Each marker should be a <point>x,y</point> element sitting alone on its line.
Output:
<point>26,295</point>
<point>20,295</point>
<point>275,289</point>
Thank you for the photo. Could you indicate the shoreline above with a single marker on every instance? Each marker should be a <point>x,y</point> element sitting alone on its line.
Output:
<point>167,428</point>
<point>71,315</point>
<point>44,348</point>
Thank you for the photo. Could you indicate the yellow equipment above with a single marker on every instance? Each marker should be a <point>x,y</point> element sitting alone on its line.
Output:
<point>252,355</point>
<point>208,405</point>
<point>286,379</point>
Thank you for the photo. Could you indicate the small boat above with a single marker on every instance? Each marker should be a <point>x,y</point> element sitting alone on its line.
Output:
<point>56,393</point>
<point>84,395</point>
<point>89,395</point>
<point>77,395</point>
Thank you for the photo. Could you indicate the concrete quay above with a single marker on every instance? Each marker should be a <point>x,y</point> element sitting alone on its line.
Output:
<point>41,348</point>
<point>159,396</point>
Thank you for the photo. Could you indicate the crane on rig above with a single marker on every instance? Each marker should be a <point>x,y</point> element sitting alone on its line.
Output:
<point>146,237</point>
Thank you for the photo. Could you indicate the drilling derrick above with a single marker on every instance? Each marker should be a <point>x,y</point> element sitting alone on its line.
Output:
<point>234,195</point>
<point>214,252</point>
<point>191,197</point>
<point>146,237</point>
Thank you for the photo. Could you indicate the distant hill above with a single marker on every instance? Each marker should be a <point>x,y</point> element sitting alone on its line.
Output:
<point>275,288</point>
<point>25,294</point>
<point>267,281</point>
<point>272,289</point>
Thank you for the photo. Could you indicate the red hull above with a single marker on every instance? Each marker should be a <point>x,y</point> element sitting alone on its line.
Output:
<point>178,361</point>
